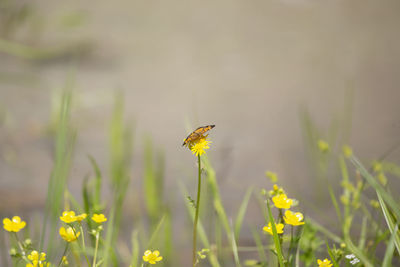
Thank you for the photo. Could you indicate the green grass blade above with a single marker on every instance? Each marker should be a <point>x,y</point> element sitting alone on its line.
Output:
<point>325,231</point>
<point>218,206</point>
<point>276,237</point>
<point>153,183</point>
<point>260,248</point>
<point>387,259</point>
<point>98,180</point>
<point>135,249</point>
<point>335,203</point>
<point>121,151</point>
<point>377,186</point>
<point>363,234</point>
<point>155,233</point>
<point>64,144</point>
<point>389,222</point>
<point>242,213</point>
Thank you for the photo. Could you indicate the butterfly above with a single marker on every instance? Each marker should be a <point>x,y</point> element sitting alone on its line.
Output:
<point>196,134</point>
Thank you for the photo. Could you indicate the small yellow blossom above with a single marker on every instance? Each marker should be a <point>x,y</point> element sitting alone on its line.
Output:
<point>377,166</point>
<point>324,263</point>
<point>152,257</point>
<point>199,147</point>
<point>293,218</point>
<point>272,176</point>
<point>81,217</point>
<point>279,228</point>
<point>13,225</point>
<point>69,234</point>
<point>323,146</point>
<point>282,202</point>
<point>375,204</point>
<point>382,178</point>
<point>347,151</point>
<point>38,260</point>
<point>68,217</point>
<point>65,260</point>
<point>99,218</point>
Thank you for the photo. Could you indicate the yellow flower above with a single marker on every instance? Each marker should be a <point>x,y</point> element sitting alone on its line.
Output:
<point>282,202</point>
<point>37,259</point>
<point>347,151</point>
<point>293,218</point>
<point>324,263</point>
<point>13,225</point>
<point>152,257</point>
<point>199,146</point>
<point>99,218</point>
<point>323,146</point>
<point>81,217</point>
<point>279,228</point>
<point>69,234</point>
<point>68,217</point>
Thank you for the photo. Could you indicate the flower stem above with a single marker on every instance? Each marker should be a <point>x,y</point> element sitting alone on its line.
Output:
<point>23,252</point>
<point>65,252</point>
<point>96,248</point>
<point>83,244</point>
<point>196,217</point>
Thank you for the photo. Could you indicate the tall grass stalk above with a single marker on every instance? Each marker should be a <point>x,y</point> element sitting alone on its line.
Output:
<point>120,149</point>
<point>64,144</point>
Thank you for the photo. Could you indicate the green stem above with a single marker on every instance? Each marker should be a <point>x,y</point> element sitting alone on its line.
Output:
<point>65,251</point>
<point>96,248</point>
<point>196,217</point>
<point>83,244</point>
<point>23,252</point>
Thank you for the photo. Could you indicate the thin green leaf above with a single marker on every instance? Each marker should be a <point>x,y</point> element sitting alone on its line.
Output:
<point>242,213</point>
<point>377,186</point>
<point>260,247</point>
<point>389,222</point>
<point>387,259</point>
<point>363,234</point>
<point>135,249</point>
<point>276,237</point>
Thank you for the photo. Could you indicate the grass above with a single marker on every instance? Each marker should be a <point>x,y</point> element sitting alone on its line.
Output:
<point>366,211</point>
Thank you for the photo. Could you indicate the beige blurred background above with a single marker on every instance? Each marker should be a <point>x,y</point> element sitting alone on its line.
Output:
<point>249,67</point>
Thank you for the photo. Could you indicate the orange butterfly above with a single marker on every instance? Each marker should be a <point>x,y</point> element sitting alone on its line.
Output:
<point>196,134</point>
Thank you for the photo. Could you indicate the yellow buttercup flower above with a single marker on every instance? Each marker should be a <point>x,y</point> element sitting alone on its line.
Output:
<point>279,228</point>
<point>69,234</point>
<point>37,259</point>
<point>68,217</point>
<point>282,202</point>
<point>293,218</point>
<point>324,263</point>
<point>81,217</point>
<point>199,147</point>
<point>152,257</point>
<point>13,225</point>
<point>99,218</point>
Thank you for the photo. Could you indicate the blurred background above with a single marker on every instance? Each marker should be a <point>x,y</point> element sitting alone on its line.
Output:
<point>263,72</point>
